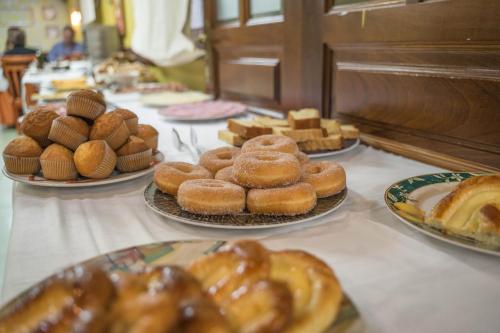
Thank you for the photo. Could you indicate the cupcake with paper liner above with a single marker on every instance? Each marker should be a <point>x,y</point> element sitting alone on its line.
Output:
<point>21,156</point>
<point>130,118</point>
<point>69,131</point>
<point>37,124</point>
<point>95,159</point>
<point>134,155</point>
<point>85,103</point>
<point>149,134</point>
<point>112,128</point>
<point>57,163</point>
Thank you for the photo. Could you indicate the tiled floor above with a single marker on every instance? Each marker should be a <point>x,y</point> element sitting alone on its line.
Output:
<point>5,203</point>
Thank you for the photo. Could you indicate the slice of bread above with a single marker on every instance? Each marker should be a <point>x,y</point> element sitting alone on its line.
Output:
<point>270,122</point>
<point>247,128</point>
<point>304,119</point>
<point>331,142</point>
<point>302,134</point>
<point>231,138</point>
<point>349,131</point>
<point>331,125</point>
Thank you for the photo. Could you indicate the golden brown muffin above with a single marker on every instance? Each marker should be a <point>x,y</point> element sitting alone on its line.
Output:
<point>69,131</point>
<point>134,155</point>
<point>130,119</point>
<point>95,159</point>
<point>110,127</point>
<point>85,103</point>
<point>57,163</point>
<point>37,125</point>
<point>21,156</point>
<point>149,134</point>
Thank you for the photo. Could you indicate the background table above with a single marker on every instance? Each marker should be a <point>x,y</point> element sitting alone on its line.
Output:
<point>400,280</point>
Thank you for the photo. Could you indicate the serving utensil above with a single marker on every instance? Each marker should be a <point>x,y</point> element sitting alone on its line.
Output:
<point>194,141</point>
<point>182,146</point>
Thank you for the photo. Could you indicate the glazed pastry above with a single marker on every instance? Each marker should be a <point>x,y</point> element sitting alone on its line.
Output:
<point>85,103</point>
<point>472,209</point>
<point>69,131</point>
<point>110,127</point>
<point>211,197</point>
<point>21,156</point>
<point>95,159</point>
<point>271,142</point>
<point>169,176</point>
<point>57,163</point>
<point>149,134</point>
<point>216,159</point>
<point>36,124</point>
<point>130,118</point>
<point>302,157</point>
<point>327,178</point>
<point>134,155</point>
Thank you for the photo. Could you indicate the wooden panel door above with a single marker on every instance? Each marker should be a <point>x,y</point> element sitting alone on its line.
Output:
<point>421,78</point>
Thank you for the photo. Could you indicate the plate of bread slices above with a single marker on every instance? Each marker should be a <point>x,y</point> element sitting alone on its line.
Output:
<point>315,136</point>
<point>266,183</point>
<point>460,208</point>
<point>188,286</point>
<point>87,146</point>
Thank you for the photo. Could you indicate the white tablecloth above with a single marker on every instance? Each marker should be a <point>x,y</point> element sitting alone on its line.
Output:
<point>400,280</point>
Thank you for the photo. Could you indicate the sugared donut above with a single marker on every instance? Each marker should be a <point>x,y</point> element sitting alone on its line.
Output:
<point>216,159</point>
<point>291,200</point>
<point>211,197</point>
<point>302,157</point>
<point>263,169</point>
<point>327,178</point>
<point>225,174</point>
<point>169,176</point>
<point>271,142</point>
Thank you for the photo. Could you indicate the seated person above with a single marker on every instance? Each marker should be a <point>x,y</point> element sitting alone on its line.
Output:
<point>68,48</point>
<point>16,41</point>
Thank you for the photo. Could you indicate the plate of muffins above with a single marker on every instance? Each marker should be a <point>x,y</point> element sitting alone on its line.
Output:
<point>267,183</point>
<point>85,147</point>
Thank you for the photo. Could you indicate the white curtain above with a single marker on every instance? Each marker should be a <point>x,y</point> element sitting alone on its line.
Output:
<point>158,32</point>
<point>87,8</point>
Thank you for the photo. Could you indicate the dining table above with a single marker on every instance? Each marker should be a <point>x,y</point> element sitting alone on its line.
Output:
<point>399,279</point>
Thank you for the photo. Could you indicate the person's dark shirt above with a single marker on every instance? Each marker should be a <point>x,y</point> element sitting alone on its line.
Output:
<point>20,50</point>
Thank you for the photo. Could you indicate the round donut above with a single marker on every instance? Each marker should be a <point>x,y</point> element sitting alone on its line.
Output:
<point>327,178</point>
<point>270,142</point>
<point>169,176</point>
<point>263,169</point>
<point>216,159</point>
<point>211,197</point>
<point>225,174</point>
<point>291,200</point>
<point>302,157</point>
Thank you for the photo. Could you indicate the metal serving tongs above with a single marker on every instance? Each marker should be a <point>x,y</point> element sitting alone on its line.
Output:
<point>181,145</point>
<point>194,141</point>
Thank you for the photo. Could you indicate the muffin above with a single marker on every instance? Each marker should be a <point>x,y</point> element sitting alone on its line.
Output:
<point>95,159</point>
<point>69,131</point>
<point>37,125</point>
<point>149,134</point>
<point>130,119</point>
<point>85,103</point>
<point>134,155</point>
<point>57,163</point>
<point>21,156</point>
<point>110,127</point>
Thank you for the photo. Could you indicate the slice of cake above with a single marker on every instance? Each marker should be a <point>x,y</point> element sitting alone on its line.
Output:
<point>303,119</point>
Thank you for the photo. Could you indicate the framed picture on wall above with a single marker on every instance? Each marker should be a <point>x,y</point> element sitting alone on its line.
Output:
<point>49,12</point>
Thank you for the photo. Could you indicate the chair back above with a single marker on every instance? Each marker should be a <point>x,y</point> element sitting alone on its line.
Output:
<point>14,67</point>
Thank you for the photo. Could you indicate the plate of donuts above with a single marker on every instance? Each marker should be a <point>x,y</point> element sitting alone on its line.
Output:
<point>267,183</point>
<point>112,292</point>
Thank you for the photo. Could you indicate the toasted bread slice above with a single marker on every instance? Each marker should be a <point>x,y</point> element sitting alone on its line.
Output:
<point>331,125</point>
<point>304,119</point>
<point>247,128</point>
<point>302,134</point>
<point>349,132</point>
<point>231,138</point>
<point>270,122</point>
<point>331,142</point>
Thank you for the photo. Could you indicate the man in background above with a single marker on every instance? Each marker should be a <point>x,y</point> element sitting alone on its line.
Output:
<point>16,42</point>
<point>68,48</point>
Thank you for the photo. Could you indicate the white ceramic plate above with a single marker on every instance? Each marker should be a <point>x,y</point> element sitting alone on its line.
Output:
<point>350,145</point>
<point>116,177</point>
<point>168,98</point>
<point>423,192</point>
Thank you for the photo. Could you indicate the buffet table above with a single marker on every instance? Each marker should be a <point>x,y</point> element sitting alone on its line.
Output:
<point>400,280</point>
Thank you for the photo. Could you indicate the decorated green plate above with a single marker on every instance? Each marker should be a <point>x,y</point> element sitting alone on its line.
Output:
<point>166,205</point>
<point>410,200</point>
<point>181,253</point>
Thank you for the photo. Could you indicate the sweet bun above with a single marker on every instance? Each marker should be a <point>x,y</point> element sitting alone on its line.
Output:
<point>85,103</point>
<point>69,131</point>
<point>110,127</point>
<point>36,124</point>
<point>95,159</point>
<point>21,156</point>
<point>134,155</point>
<point>216,159</point>
<point>57,163</point>
<point>169,176</point>
<point>271,142</point>
<point>130,118</point>
<point>327,178</point>
<point>149,134</point>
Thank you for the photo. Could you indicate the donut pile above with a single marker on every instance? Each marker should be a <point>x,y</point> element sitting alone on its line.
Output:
<point>268,176</point>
